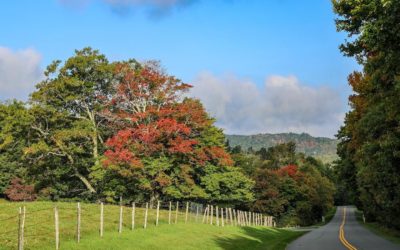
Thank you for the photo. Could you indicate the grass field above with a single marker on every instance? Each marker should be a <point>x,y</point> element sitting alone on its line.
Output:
<point>39,230</point>
<point>387,233</point>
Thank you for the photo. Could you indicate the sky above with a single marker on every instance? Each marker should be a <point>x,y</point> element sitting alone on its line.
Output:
<point>258,66</point>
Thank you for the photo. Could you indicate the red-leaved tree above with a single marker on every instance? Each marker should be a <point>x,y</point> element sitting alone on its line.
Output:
<point>162,141</point>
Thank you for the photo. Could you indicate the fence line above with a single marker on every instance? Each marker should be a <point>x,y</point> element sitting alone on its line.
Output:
<point>188,212</point>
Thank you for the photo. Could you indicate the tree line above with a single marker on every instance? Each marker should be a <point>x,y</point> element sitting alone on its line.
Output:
<point>294,188</point>
<point>369,169</point>
<point>97,130</point>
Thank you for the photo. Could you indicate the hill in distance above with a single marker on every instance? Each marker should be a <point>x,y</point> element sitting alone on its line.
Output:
<point>319,147</point>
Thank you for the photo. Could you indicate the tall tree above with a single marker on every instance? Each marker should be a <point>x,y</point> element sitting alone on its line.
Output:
<point>167,145</point>
<point>370,148</point>
<point>68,123</point>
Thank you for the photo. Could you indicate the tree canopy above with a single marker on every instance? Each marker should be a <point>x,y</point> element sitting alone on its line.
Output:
<point>370,137</point>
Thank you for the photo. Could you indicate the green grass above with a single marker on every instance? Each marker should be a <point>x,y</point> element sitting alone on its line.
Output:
<point>39,230</point>
<point>387,233</point>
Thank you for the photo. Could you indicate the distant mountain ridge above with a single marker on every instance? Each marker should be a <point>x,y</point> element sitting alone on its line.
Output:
<point>319,147</point>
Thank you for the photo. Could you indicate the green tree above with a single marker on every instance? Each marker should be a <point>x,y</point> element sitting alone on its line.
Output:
<point>15,131</point>
<point>69,125</point>
<point>281,155</point>
<point>370,136</point>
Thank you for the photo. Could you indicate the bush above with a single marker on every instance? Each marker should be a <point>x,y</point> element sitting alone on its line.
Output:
<point>18,191</point>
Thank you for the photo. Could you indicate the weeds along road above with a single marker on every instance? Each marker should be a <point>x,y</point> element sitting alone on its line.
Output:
<point>343,232</point>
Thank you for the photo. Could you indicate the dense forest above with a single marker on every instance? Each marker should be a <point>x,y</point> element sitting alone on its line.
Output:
<point>369,148</point>
<point>97,130</point>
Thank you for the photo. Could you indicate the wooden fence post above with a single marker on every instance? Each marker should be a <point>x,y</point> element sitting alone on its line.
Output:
<point>208,214</point>
<point>133,215</point>
<point>120,215</point>
<point>216,214</point>
<point>226,216</point>
<point>169,213</point>
<point>21,226</point>
<point>78,223</point>
<point>101,219</point>
<point>158,212</point>
<point>212,215</point>
<point>197,212</point>
<point>222,217</point>
<point>234,217</point>
<point>250,219</point>
<point>187,212</point>
<point>57,229</point>
<point>145,215</point>
<point>205,215</point>
<point>258,219</point>
<point>230,216</point>
<point>176,212</point>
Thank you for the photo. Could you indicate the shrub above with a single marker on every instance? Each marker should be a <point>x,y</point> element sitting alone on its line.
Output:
<point>18,191</point>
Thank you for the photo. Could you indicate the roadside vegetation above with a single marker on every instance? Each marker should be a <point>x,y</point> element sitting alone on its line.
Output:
<point>377,228</point>
<point>296,189</point>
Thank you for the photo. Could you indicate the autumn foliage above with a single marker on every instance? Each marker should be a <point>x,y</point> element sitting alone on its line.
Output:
<point>155,122</point>
<point>289,170</point>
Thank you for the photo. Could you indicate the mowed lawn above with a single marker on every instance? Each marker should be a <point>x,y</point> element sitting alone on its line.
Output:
<point>39,229</point>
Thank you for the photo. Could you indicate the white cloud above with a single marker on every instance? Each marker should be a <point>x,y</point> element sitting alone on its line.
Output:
<point>283,104</point>
<point>19,72</point>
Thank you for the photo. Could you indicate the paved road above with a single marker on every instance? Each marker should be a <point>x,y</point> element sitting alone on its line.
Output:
<point>357,237</point>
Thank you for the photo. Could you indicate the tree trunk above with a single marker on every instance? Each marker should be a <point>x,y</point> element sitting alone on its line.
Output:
<point>85,181</point>
<point>81,177</point>
<point>153,198</point>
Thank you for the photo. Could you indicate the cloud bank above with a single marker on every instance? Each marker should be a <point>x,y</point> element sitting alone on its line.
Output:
<point>282,104</point>
<point>19,72</point>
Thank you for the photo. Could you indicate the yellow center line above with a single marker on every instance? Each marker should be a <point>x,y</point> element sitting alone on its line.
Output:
<point>341,233</point>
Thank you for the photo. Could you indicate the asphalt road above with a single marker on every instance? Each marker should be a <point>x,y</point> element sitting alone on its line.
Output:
<point>356,237</point>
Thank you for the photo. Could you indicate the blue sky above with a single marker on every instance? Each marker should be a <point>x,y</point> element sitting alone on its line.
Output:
<point>216,45</point>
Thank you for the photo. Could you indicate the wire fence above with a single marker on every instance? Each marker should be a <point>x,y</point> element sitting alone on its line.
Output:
<point>31,225</point>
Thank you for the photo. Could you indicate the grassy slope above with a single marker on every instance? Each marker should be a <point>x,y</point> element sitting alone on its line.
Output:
<point>387,233</point>
<point>39,230</point>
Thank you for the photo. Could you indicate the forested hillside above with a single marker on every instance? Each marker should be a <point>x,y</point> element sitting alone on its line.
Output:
<point>319,147</point>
